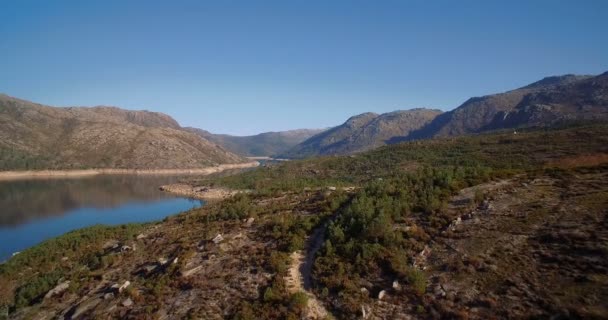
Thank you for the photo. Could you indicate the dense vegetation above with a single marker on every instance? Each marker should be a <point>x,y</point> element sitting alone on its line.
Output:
<point>504,151</point>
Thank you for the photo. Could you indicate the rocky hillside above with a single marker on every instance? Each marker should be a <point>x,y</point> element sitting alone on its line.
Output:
<point>550,101</point>
<point>259,145</point>
<point>34,136</point>
<point>365,132</point>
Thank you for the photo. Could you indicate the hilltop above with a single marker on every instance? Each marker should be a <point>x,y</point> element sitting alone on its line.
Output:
<point>552,101</point>
<point>35,136</point>
<point>364,132</point>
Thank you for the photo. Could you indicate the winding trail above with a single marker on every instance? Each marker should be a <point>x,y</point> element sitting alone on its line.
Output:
<point>299,278</point>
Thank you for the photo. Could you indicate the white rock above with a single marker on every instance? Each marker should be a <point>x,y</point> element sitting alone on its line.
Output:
<point>120,288</point>
<point>127,302</point>
<point>60,288</point>
<point>381,294</point>
<point>396,285</point>
<point>218,239</point>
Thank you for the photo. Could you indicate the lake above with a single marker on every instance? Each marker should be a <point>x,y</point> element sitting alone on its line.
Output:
<point>32,211</point>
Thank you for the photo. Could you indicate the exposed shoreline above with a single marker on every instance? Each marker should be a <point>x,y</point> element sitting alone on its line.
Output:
<point>201,192</point>
<point>50,174</point>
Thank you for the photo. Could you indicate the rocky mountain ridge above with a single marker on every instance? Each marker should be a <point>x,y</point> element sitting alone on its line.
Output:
<point>35,136</point>
<point>551,101</point>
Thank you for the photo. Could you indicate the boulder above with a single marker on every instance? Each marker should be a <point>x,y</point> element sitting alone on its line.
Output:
<point>120,287</point>
<point>127,302</point>
<point>192,271</point>
<point>59,289</point>
<point>218,239</point>
<point>381,294</point>
<point>396,285</point>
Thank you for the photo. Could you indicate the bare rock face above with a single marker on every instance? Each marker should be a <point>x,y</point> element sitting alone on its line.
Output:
<point>44,137</point>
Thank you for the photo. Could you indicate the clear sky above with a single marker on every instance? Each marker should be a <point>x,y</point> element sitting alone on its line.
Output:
<point>244,67</point>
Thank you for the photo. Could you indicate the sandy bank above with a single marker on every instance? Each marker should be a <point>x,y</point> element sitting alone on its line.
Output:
<point>45,174</point>
<point>205,193</point>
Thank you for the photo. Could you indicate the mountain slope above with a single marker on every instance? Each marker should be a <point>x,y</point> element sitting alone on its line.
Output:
<point>547,102</point>
<point>263,144</point>
<point>34,136</point>
<point>364,132</point>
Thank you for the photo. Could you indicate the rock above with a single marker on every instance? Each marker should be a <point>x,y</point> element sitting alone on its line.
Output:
<point>438,291</point>
<point>121,287</point>
<point>126,249</point>
<point>59,289</point>
<point>64,259</point>
<point>192,271</point>
<point>381,294</point>
<point>108,296</point>
<point>396,285</point>
<point>364,313</point>
<point>111,244</point>
<point>331,188</point>
<point>149,268</point>
<point>364,291</point>
<point>85,306</point>
<point>175,260</point>
<point>127,302</point>
<point>250,222</point>
<point>162,261</point>
<point>218,239</point>
<point>140,236</point>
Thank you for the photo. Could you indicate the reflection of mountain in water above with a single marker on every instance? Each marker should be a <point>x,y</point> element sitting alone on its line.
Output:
<point>21,201</point>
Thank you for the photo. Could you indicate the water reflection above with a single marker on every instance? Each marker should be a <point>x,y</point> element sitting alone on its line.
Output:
<point>35,210</point>
<point>22,201</point>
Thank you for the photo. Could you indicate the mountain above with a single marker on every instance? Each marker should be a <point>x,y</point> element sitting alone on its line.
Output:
<point>35,136</point>
<point>364,132</point>
<point>550,101</point>
<point>263,144</point>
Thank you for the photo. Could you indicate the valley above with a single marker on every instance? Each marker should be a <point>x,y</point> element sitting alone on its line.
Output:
<point>424,229</point>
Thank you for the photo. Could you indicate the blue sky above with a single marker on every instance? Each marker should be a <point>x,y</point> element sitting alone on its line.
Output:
<point>244,67</point>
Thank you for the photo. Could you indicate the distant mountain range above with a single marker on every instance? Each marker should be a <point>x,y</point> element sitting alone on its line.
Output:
<point>34,136</point>
<point>364,132</point>
<point>263,144</point>
<point>550,101</point>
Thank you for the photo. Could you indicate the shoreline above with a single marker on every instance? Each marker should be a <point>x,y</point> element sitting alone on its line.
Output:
<point>199,192</point>
<point>53,174</point>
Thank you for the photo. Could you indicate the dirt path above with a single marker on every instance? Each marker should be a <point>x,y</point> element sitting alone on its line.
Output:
<point>299,275</point>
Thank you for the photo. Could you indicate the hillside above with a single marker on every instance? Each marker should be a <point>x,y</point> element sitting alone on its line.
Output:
<point>259,145</point>
<point>364,132</point>
<point>550,101</point>
<point>489,226</point>
<point>35,136</point>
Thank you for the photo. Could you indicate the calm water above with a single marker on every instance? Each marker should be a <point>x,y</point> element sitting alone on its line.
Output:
<point>35,210</point>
